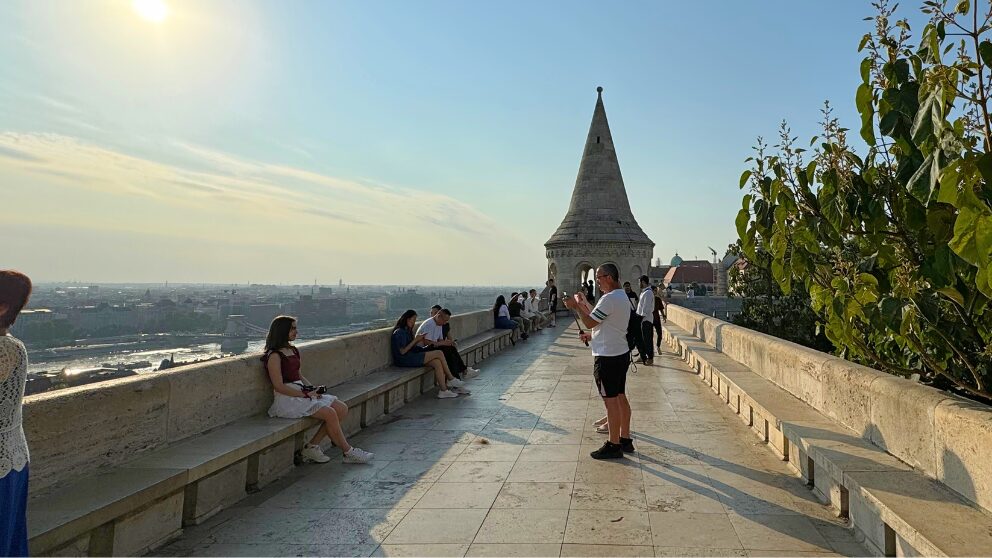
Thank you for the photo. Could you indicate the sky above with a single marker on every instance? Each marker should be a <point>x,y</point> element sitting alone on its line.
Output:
<point>386,142</point>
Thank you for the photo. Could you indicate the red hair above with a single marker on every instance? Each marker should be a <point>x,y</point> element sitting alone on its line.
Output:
<point>15,289</point>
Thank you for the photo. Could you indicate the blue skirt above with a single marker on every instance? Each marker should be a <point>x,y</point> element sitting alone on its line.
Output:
<point>503,322</point>
<point>13,511</point>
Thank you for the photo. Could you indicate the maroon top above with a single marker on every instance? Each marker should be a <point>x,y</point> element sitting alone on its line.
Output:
<point>290,365</point>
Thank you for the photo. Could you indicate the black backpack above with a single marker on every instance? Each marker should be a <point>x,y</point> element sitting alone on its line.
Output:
<point>633,326</point>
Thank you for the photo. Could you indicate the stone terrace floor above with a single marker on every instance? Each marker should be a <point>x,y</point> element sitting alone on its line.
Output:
<point>506,472</point>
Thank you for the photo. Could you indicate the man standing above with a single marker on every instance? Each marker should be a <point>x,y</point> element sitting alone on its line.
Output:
<point>552,301</point>
<point>435,338</point>
<point>608,324</point>
<point>645,309</point>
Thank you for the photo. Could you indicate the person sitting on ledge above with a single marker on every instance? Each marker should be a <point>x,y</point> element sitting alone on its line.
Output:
<point>502,320</point>
<point>516,307</point>
<point>407,352</point>
<point>436,337</point>
<point>295,397</point>
<point>533,305</point>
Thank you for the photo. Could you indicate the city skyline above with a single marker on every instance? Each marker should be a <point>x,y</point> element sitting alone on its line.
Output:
<point>375,141</point>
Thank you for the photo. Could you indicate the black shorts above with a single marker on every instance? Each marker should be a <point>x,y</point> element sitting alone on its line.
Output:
<point>610,373</point>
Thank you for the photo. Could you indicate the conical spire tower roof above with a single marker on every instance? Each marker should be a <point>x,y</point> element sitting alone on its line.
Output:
<point>599,210</point>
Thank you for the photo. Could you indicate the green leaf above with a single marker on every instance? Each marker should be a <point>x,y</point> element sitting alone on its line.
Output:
<point>948,192</point>
<point>962,7</point>
<point>744,177</point>
<point>887,125</point>
<point>891,310</point>
<point>866,69</point>
<point>985,49</point>
<point>963,243</point>
<point>923,123</point>
<point>984,164</point>
<point>920,185</point>
<point>953,294</point>
<point>983,240</point>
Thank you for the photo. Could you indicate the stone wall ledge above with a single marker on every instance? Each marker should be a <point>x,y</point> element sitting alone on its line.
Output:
<point>159,460</point>
<point>890,454</point>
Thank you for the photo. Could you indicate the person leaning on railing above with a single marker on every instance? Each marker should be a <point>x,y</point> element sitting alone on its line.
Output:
<point>294,397</point>
<point>15,289</point>
<point>407,352</point>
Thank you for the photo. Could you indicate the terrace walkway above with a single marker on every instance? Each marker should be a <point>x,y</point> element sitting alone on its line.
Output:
<point>507,472</point>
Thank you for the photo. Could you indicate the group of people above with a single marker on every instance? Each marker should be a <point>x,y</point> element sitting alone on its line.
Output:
<point>651,311</point>
<point>523,314</point>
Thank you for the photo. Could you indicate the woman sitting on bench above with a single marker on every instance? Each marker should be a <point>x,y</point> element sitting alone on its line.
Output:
<point>295,397</point>
<point>408,352</point>
<point>502,320</point>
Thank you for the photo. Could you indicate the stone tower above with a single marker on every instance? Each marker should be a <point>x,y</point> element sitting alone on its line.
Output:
<point>599,226</point>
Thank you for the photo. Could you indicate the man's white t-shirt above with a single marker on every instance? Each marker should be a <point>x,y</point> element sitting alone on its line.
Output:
<point>612,311</point>
<point>432,329</point>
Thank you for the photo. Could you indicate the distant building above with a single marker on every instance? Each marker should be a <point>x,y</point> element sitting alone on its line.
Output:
<point>406,299</point>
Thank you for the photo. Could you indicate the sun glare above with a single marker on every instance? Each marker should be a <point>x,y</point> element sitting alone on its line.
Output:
<point>154,11</point>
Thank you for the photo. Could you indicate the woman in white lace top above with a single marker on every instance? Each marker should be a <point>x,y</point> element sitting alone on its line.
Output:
<point>15,288</point>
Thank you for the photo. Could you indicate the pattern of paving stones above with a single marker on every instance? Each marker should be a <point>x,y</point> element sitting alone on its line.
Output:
<point>506,472</point>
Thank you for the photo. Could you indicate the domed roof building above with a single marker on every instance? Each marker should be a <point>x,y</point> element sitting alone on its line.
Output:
<point>677,261</point>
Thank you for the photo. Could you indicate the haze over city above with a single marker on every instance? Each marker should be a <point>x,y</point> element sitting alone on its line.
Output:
<point>402,143</point>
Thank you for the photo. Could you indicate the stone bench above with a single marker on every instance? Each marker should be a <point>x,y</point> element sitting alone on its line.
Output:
<point>141,504</point>
<point>897,510</point>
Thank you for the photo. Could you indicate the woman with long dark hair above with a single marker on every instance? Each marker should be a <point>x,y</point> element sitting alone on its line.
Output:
<point>501,318</point>
<point>407,351</point>
<point>295,397</point>
<point>15,289</point>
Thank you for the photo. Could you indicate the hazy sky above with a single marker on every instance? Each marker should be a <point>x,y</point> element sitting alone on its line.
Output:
<point>427,142</point>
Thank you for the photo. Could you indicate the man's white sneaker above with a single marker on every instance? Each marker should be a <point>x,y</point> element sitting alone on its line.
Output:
<point>313,453</point>
<point>446,394</point>
<point>455,382</point>
<point>358,455</point>
<point>471,372</point>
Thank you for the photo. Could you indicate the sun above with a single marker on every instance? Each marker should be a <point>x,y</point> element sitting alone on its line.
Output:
<point>154,11</point>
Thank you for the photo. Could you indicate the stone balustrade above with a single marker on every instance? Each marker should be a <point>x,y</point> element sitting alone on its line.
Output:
<point>74,431</point>
<point>940,435</point>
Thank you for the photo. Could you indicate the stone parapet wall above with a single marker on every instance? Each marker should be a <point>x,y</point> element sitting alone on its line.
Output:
<point>74,431</point>
<point>943,436</point>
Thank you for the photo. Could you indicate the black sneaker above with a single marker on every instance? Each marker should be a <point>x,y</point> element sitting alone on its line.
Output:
<point>627,445</point>
<point>608,451</point>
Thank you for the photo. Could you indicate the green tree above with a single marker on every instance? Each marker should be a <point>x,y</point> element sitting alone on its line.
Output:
<point>765,308</point>
<point>894,247</point>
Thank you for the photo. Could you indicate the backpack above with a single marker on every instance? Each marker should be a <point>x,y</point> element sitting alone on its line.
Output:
<point>633,326</point>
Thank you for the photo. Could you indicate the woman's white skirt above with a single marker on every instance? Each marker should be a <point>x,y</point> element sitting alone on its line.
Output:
<point>284,406</point>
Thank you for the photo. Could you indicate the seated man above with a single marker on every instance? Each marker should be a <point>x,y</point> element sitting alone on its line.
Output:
<point>525,312</point>
<point>533,305</point>
<point>516,314</point>
<point>433,330</point>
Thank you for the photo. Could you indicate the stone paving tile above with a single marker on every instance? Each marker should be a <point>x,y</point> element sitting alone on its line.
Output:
<point>535,495</point>
<point>543,471</point>
<point>506,526</point>
<point>451,495</point>
<point>623,527</point>
<point>414,550</point>
<point>487,549</point>
<point>605,550</point>
<point>437,527</point>
<point>507,472</point>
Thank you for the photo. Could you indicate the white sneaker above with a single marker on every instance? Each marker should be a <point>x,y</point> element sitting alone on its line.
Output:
<point>455,382</point>
<point>471,372</point>
<point>314,453</point>
<point>358,455</point>
<point>446,394</point>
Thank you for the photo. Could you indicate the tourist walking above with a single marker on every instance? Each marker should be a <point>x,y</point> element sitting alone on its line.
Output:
<point>15,289</point>
<point>656,316</point>
<point>607,325</point>
<point>295,397</point>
